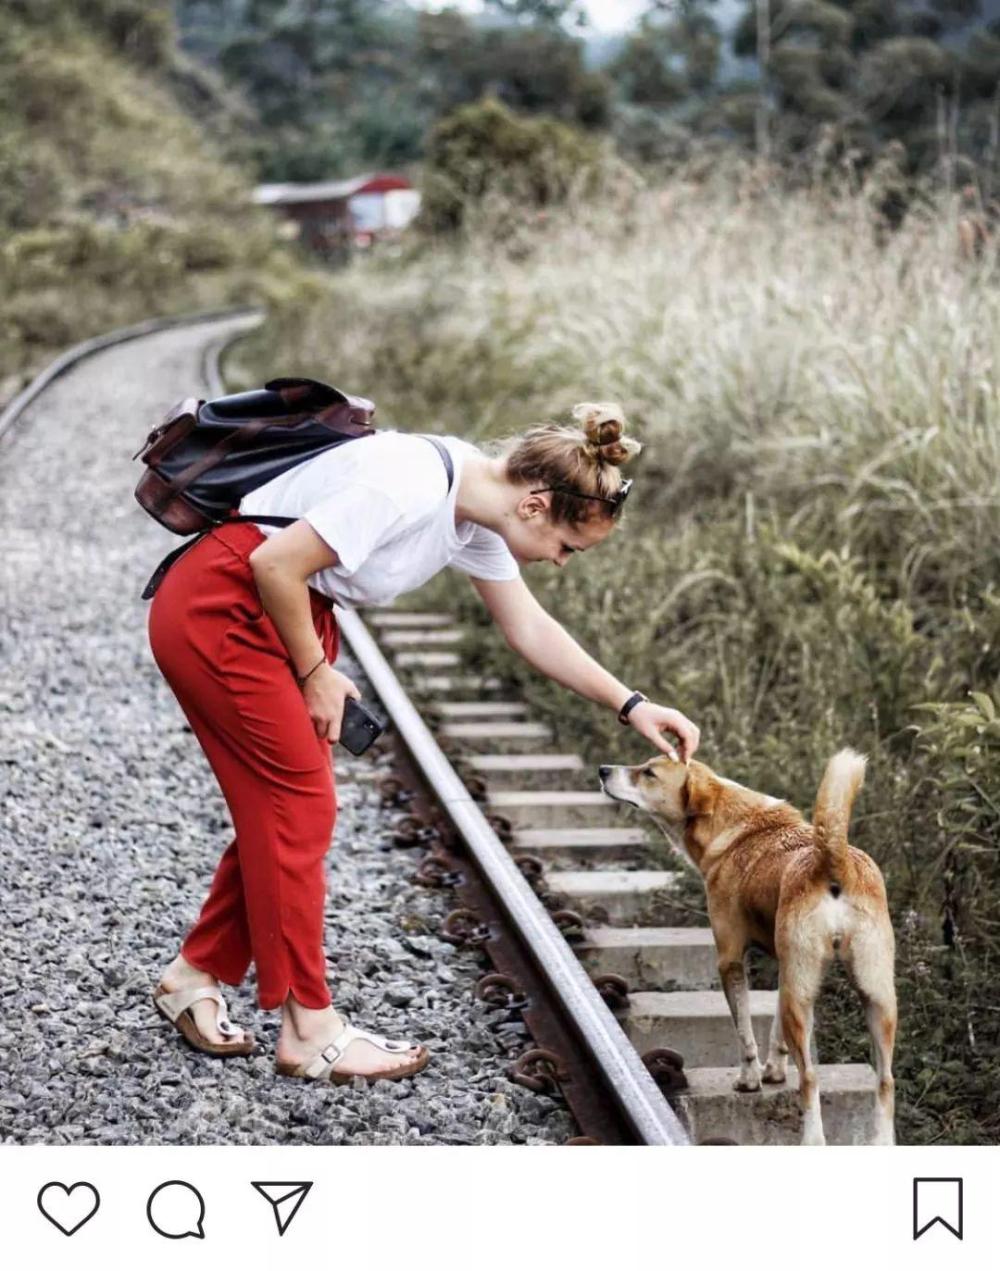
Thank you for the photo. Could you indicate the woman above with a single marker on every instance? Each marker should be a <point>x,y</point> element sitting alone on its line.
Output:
<point>242,627</point>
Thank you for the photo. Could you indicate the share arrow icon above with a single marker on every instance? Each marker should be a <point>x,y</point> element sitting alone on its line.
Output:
<point>285,1199</point>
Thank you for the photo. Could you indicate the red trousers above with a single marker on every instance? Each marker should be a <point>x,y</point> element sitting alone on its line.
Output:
<point>231,673</point>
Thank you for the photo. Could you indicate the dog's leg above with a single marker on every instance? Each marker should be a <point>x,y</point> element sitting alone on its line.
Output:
<point>871,969</point>
<point>776,1068</point>
<point>798,992</point>
<point>732,972</point>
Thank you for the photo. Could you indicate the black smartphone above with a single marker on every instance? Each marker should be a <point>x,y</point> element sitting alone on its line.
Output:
<point>358,728</point>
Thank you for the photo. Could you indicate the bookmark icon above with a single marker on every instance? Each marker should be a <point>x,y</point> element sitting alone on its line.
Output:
<point>938,1200</point>
<point>285,1199</point>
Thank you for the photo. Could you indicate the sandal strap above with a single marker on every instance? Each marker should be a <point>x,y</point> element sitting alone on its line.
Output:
<point>176,1003</point>
<point>323,1064</point>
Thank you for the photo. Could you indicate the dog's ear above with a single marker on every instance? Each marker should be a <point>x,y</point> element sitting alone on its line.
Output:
<point>700,791</point>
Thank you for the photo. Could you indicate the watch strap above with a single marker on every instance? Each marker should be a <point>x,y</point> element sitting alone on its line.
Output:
<point>634,700</point>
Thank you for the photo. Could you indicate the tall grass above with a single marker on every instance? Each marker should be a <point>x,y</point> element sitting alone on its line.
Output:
<point>810,555</point>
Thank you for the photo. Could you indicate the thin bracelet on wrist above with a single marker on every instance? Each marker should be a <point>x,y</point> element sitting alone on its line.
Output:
<point>301,679</point>
<point>633,701</point>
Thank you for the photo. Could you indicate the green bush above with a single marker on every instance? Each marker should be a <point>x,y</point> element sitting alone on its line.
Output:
<point>485,149</point>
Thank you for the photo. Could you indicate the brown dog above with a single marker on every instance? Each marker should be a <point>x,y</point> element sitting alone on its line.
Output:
<point>799,891</point>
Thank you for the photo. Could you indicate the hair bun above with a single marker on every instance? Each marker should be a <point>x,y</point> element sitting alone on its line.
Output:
<point>603,423</point>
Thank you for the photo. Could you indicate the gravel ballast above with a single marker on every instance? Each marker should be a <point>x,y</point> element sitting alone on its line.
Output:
<point>111,824</point>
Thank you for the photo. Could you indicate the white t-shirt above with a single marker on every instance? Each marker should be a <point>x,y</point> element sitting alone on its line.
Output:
<point>380,503</point>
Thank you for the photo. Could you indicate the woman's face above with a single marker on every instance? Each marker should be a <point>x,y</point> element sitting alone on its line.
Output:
<point>532,536</point>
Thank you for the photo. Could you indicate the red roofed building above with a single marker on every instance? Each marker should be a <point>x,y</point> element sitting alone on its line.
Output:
<point>333,216</point>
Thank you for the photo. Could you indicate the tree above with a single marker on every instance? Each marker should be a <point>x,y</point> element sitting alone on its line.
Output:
<point>674,54</point>
<point>869,71</point>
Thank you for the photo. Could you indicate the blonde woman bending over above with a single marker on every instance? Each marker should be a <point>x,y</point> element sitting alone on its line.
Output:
<point>243,629</point>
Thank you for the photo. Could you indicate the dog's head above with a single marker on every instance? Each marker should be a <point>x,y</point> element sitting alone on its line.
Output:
<point>671,791</point>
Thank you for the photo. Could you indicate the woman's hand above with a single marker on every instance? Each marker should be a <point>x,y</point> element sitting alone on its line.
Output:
<point>651,720</point>
<point>326,691</point>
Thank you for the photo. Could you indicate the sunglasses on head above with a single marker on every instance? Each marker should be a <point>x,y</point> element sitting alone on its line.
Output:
<point>616,501</point>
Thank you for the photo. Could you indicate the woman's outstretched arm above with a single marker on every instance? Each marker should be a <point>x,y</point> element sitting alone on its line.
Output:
<point>546,645</point>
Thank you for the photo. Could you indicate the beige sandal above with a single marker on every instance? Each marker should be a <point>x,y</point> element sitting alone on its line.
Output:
<point>176,1007</point>
<point>322,1067</point>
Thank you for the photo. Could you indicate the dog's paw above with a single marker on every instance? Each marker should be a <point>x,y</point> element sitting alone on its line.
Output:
<point>749,1079</point>
<point>775,1074</point>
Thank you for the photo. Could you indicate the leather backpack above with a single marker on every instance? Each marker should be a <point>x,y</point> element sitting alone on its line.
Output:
<point>206,455</point>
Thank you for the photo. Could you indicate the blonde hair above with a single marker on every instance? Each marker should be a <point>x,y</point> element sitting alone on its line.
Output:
<point>583,459</point>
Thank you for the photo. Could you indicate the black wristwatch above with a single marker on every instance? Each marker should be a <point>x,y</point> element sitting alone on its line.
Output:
<point>634,700</point>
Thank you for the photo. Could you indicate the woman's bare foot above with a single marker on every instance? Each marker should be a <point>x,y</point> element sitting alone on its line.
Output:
<point>180,974</point>
<point>305,1032</point>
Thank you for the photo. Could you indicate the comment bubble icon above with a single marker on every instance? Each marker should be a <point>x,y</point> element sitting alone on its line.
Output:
<point>176,1210</point>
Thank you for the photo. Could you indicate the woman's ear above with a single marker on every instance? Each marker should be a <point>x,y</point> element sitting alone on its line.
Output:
<point>533,505</point>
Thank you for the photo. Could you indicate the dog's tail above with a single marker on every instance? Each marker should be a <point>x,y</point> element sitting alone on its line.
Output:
<point>841,782</point>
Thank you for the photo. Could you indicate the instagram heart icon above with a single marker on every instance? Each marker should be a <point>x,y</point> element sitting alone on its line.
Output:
<point>68,1208</point>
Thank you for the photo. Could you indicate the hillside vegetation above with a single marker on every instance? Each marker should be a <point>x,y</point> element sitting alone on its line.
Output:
<point>344,84</point>
<point>113,205</point>
<point>809,556</point>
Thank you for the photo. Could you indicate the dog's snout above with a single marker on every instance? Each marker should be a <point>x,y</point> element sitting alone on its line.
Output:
<point>604,771</point>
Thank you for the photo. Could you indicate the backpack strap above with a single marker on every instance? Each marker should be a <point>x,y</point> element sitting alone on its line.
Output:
<point>445,454</point>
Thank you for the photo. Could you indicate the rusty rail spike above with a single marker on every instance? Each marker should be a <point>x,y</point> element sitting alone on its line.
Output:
<point>614,990</point>
<point>410,830</point>
<point>666,1067</point>
<point>501,990</point>
<point>464,926</point>
<point>476,786</point>
<point>502,827</point>
<point>392,789</point>
<point>434,871</point>
<point>539,1070</point>
<point>569,922</point>
<point>530,866</point>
